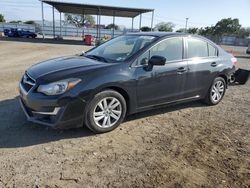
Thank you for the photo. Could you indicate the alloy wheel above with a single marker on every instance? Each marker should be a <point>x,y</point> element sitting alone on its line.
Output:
<point>107,112</point>
<point>217,92</point>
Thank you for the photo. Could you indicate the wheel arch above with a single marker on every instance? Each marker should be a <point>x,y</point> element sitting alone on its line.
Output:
<point>224,76</point>
<point>123,92</point>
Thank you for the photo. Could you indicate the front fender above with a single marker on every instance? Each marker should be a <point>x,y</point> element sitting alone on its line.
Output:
<point>120,80</point>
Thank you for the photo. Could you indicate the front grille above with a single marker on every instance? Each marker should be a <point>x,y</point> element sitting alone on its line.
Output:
<point>27,82</point>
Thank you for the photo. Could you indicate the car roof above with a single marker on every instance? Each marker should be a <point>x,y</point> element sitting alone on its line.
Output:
<point>166,34</point>
<point>170,34</point>
<point>158,34</point>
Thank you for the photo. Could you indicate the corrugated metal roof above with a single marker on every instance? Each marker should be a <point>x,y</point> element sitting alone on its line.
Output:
<point>79,8</point>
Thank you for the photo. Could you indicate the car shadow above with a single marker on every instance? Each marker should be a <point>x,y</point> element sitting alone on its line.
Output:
<point>46,41</point>
<point>16,132</point>
<point>165,109</point>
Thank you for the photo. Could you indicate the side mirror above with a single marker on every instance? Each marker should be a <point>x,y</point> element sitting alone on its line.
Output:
<point>157,60</point>
<point>82,53</point>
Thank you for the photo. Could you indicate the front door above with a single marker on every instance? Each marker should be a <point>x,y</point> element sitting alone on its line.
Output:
<point>162,84</point>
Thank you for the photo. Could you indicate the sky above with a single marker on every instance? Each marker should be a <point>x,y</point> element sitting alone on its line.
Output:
<point>201,13</point>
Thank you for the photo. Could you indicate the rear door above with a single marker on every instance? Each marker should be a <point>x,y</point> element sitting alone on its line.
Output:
<point>202,65</point>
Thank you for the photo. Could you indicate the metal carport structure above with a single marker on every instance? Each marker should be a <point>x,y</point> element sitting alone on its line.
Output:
<point>99,10</point>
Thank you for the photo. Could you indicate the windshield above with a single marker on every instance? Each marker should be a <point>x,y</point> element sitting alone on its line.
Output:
<point>120,49</point>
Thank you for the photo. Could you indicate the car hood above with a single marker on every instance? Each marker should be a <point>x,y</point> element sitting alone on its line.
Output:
<point>63,64</point>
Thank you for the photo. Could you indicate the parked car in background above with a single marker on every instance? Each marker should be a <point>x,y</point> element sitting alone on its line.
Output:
<point>126,75</point>
<point>248,49</point>
<point>13,32</point>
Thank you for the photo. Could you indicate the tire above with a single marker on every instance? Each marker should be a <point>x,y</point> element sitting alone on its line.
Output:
<point>215,93</point>
<point>101,116</point>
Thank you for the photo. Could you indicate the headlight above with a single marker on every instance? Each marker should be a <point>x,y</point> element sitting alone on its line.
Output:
<point>59,87</point>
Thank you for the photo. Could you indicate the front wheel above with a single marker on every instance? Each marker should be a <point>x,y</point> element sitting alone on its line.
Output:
<point>216,92</point>
<point>105,111</point>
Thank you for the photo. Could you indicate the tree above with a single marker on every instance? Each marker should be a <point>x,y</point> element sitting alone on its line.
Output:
<point>193,30</point>
<point>165,26</point>
<point>244,32</point>
<point>31,22</point>
<point>111,26</point>
<point>2,18</point>
<point>181,30</point>
<point>145,29</point>
<point>227,26</point>
<point>79,20</point>
<point>207,31</point>
<point>37,26</point>
<point>16,21</point>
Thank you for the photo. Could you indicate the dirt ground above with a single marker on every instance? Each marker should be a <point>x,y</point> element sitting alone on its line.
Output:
<point>188,145</point>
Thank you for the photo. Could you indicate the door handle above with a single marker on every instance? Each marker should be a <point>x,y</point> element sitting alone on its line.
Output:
<point>181,70</point>
<point>214,64</point>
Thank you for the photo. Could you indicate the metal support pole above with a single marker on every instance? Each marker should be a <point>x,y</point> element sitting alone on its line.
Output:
<point>42,20</point>
<point>113,35</point>
<point>152,20</point>
<point>97,21</point>
<point>99,26</point>
<point>140,23</point>
<point>99,12</point>
<point>60,24</point>
<point>132,24</point>
<point>186,25</point>
<point>54,32</point>
<point>83,34</point>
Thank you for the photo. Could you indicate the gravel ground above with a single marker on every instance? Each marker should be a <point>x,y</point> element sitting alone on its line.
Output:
<point>188,145</point>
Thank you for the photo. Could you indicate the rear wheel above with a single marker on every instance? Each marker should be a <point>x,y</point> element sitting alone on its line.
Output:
<point>216,92</point>
<point>105,111</point>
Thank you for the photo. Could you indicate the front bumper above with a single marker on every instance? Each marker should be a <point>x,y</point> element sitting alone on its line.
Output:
<point>57,113</point>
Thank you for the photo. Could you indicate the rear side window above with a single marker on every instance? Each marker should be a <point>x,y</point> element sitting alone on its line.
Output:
<point>171,49</point>
<point>197,48</point>
<point>212,51</point>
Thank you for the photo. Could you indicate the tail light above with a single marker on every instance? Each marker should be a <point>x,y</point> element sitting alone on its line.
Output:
<point>234,60</point>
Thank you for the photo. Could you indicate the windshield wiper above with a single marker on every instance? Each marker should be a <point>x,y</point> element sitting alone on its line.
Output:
<point>98,58</point>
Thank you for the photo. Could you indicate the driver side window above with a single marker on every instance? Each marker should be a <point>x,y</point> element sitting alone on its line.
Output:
<point>171,49</point>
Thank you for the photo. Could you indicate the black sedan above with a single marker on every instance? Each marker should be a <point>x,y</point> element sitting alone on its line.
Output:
<point>126,75</point>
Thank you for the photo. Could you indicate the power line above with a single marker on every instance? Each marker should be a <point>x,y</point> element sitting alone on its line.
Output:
<point>161,20</point>
<point>19,4</point>
<point>183,21</point>
<point>190,24</point>
<point>22,6</point>
<point>22,2</point>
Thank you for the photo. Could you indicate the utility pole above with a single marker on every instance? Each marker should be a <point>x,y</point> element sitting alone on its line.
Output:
<point>54,29</point>
<point>186,25</point>
<point>42,19</point>
<point>152,20</point>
